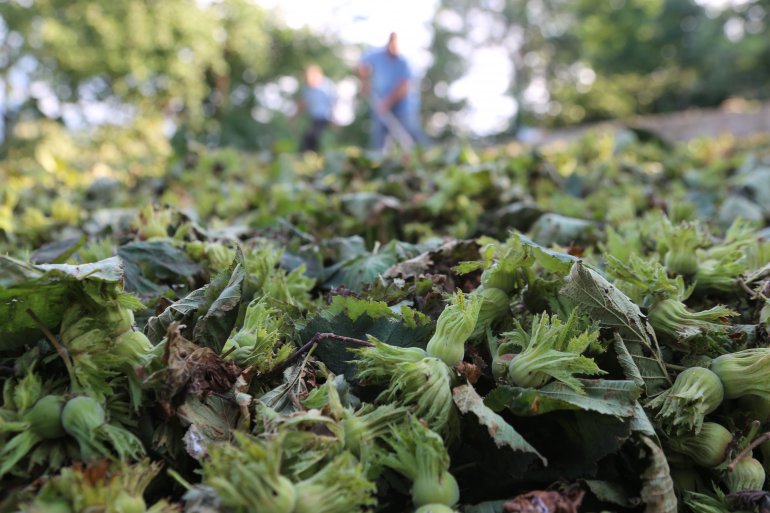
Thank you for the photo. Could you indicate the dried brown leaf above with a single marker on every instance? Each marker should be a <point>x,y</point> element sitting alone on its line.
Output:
<point>540,501</point>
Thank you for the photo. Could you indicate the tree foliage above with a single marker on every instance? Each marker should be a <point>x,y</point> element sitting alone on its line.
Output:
<point>202,65</point>
<point>578,61</point>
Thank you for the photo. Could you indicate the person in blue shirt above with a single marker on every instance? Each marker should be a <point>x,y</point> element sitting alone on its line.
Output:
<point>386,77</point>
<point>317,100</point>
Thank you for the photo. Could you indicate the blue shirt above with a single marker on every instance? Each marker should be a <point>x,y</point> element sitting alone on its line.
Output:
<point>319,100</point>
<point>387,71</point>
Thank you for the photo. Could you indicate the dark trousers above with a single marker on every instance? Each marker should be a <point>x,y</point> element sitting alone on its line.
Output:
<point>313,134</point>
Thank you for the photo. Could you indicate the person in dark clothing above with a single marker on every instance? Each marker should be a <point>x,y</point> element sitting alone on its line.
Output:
<point>317,100</point>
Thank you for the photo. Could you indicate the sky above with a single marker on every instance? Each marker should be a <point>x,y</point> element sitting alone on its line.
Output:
<point>365,22</point>
<point>369,22</point>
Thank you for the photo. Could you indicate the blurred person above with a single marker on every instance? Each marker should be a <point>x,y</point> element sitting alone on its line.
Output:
<point>317,99</point>
<point>386,77</point>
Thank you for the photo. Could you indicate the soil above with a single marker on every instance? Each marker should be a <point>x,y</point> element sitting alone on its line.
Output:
<point>736,117</point>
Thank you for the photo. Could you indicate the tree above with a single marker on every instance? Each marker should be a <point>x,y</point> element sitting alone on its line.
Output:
<point>579,60</point>
<point>196,64</point>
<point>447,66</point>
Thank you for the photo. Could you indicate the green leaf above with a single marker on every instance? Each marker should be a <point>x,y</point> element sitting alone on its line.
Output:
<point>603,302</point>
<point>210,419</point>
<point>183,311</point>
<point>551,260</point>
<point>357,273</point>
<point>47,290</point>
<point>626,361</point>
<point>346,248</point>
<point>215,326</point>
<point>413,318</point>
<point>221,297</point>
<point>640,422</point>
<point>607,491</point>
<point>502,433</point>
<point>14,273</point>
<point>467,267</point>
<point>57,252</point>
<point>608,397</point>
<point>285,397</point>
<point>365,204</point>
<point>355,308</point>
<point>647,279</point>
<point>335,354</point>
<point>149,263</point>
<point>558,229</point>
<point>576,442</point>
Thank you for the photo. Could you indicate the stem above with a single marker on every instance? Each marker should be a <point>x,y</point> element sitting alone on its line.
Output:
<point>228,352</point>
<point>63,354</point>
<point>752,294</point>
<point>179,479</point>
<point>676,367</point>
<point>753,429</point>
<point>296,231</point>
<point>297,375</point>
<point>312,342</point>
<point>745,452</point>
<point>461,468</point>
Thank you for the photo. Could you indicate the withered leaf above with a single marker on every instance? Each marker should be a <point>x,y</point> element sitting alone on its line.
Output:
<point>539,501</point>
<point>191,370</point>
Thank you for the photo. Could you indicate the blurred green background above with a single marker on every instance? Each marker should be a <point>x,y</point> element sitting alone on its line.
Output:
<point>137,77</point>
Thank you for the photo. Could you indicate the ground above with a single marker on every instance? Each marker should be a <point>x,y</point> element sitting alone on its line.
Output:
<point>738,117</point>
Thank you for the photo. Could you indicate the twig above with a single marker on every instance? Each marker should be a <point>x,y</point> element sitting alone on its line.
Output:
<point>461,468</point>
<point>228,352</point>
<point>752,294</point>
<point>320,336</point>
<point>179,479</point>
<point>299,233</point>
<point>312,342</point>
<point>745,452</point>
<point>63,354</point>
